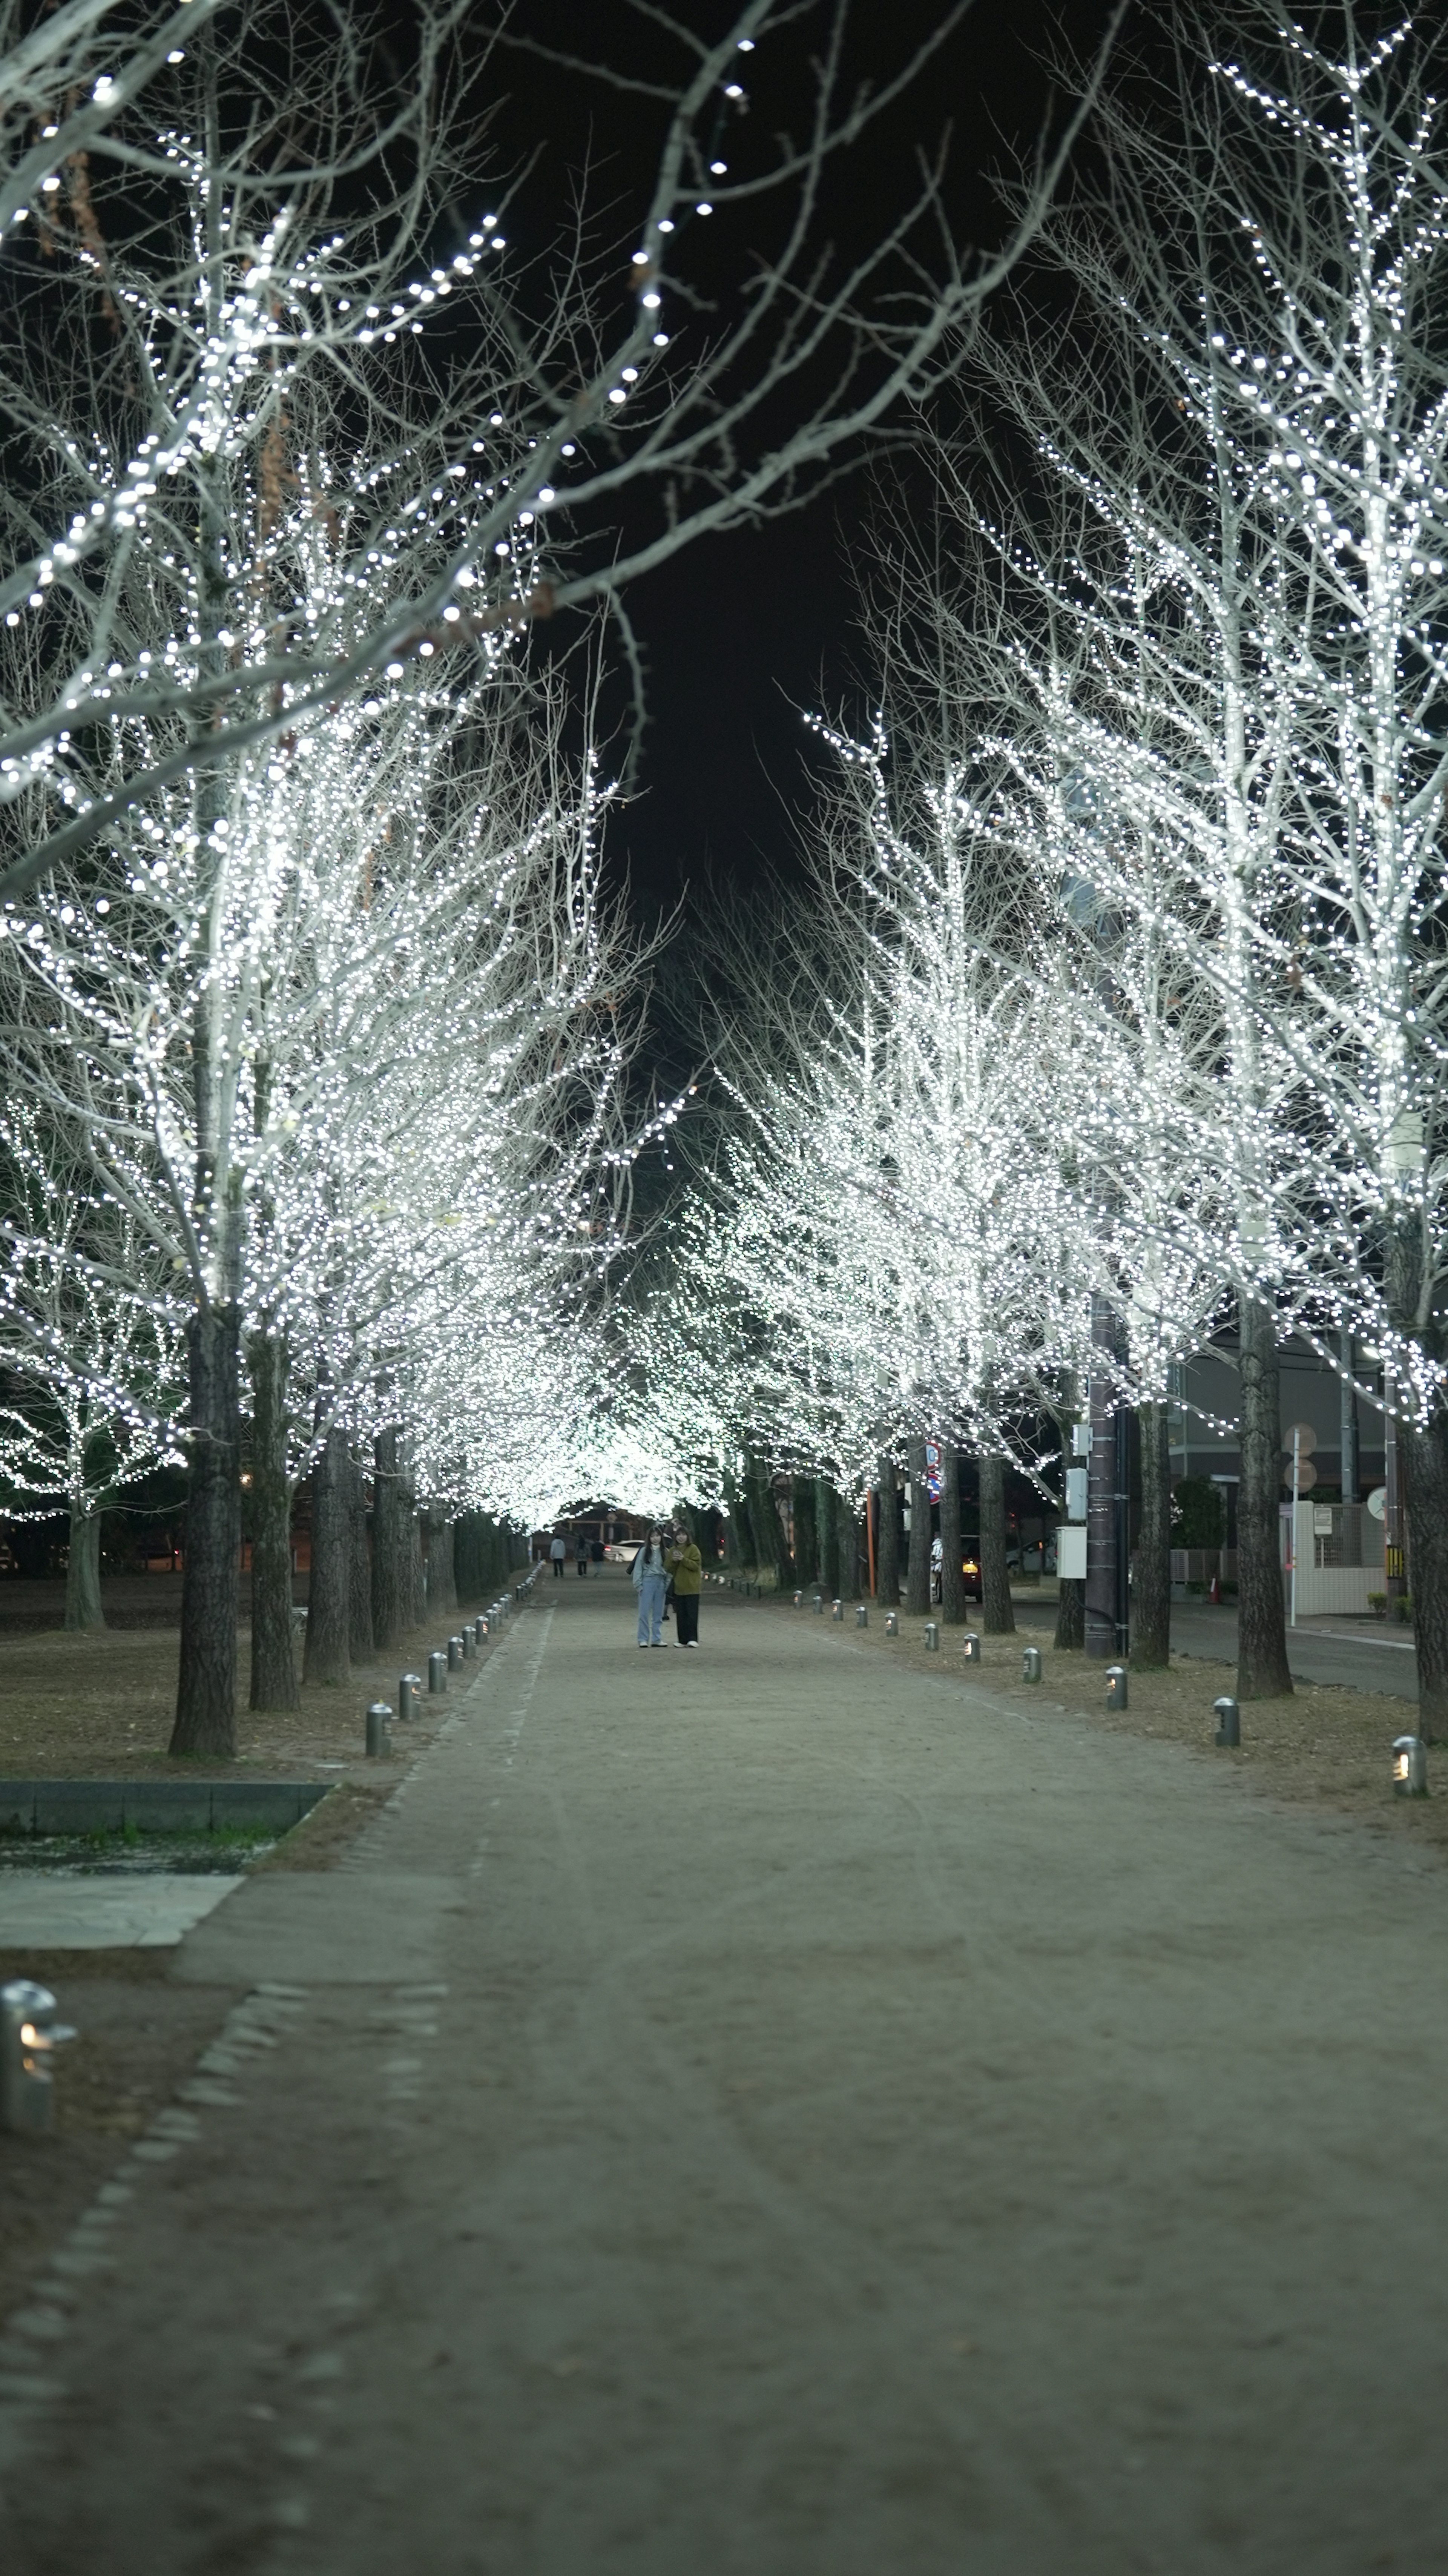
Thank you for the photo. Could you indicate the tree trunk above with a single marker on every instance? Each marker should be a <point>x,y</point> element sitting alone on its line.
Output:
<point>417,1569</point>
<point>887,1539</point>
<point>391,1544</point>
<point>806,1531</point>
<point>1423,1455</point>
<point>1070,1637</point>
<point>361,1639</point>
<point>737,1532</point>
<point>273,1653</point>
<point>917,1562</point>
<point>773,1555</point>
<point>442,1589</point>
<point>1262,1671</point>
<point>997,1613</point>
<point>206,1684</point>
<point>1151,1583</point>
<point>953,1611</point>
<point>828,1515</point>
<point>329,1604</point>
<point>469,1543</point>
<point>83,1572</point>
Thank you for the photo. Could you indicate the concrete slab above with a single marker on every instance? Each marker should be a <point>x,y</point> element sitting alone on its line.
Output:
<point>326,1928</point>
<point>70,1910</point>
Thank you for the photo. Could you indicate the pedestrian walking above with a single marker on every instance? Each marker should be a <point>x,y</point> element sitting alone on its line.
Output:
<point>580,1551</point>
<point>559,1554</point>
<point>650,1575</point>
<point>686,1566</point>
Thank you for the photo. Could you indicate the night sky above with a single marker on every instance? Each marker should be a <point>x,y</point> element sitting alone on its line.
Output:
<point>742,632</point>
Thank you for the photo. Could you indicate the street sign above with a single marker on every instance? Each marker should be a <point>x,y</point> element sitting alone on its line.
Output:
<point>1306,1475</point>
<point>1322,1520</point>
<point>1303,1436</point>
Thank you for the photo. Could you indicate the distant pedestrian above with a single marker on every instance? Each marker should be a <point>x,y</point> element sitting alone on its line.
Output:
<point>559,1553</point>
<point>687,1568</point>
<point>595,1552</point>
<point>580,1551</point>
<point>650,1577</point>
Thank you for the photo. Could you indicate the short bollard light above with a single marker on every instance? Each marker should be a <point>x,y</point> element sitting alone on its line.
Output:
<point>454,1653</point>
<point>837,1609</point>
<point>1030,1663</point>
<point>1410,1767</point>
<point>484,1627</point>
<point>932,1636</point>
<point>862,1615</point>
<point>379,1742</point>
<point>29,2035</point>
<point>970,1646</point>
<point>799,1601</point>
<point>437,1671</point>
<point>1116,1686</point>
<point>892,1623</point>
<point>470,1642</point>
<point>817,1605</point>
<point>1229,1721</point>
<point>409,1691</point>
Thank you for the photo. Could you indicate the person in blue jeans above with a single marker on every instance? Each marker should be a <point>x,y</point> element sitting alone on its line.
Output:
<point>650,1580</point>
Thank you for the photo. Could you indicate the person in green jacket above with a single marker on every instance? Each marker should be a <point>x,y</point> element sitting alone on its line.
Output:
<point>686,1566</point>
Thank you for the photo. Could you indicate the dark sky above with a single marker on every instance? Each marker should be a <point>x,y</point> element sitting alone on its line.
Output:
<point>742,631</point>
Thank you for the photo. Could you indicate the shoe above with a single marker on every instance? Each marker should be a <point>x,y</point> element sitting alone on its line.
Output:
<point>656,1641</point>
<point>691,1642</point>
<point>643,1645</point>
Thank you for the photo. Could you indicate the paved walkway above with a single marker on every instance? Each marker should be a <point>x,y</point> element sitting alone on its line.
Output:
<point>775,2116</point>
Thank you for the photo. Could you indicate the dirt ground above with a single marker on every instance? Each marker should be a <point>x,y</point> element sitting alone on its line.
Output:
<point>100,1707</point>
<point>138,2037</point>
<point>1324,1747</point>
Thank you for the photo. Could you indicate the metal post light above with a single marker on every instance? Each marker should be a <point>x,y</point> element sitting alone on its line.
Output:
<point>1229,1722</point>
<point>379,1742</point>
<point>799,1601</point>
<point>1116,1686</point>
<point>408,1691</point>
<point>932,1636</point>
<point>818,1605</point>
<point>437,1671</point>
<point>454,1654</point>
<point>484,1627</point>
<point>892,1623</point>
<point>1030,1663</point>
<point>470,1641</point>
<point>837,1609</point>
<point>29,2033</point>
<point>862,1616</point>
<point>1410,1767</point>
<point>970,1646</point>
